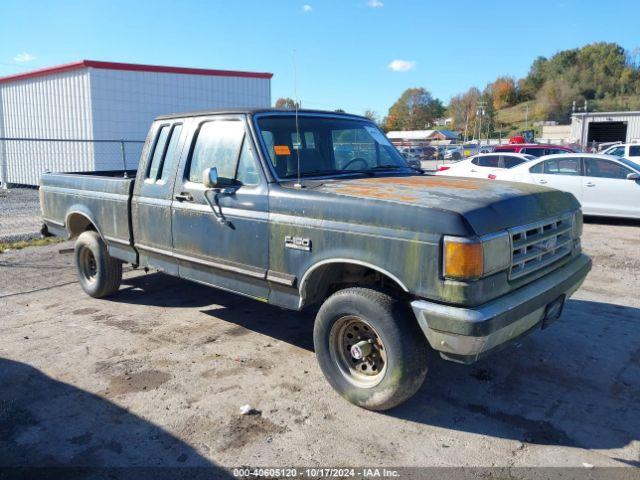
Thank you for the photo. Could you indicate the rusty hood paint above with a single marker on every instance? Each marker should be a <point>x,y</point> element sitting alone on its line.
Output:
<point>487,205</point>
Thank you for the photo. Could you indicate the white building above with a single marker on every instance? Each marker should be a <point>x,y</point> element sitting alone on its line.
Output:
<point>91,100</point>
<point>555,134</point>
<point>401,136</point>
<point>602,127</point>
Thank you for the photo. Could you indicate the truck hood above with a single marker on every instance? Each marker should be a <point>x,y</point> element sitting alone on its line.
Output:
<point>486,205</point>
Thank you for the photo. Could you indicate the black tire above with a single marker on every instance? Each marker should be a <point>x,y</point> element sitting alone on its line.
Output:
<point>99,274</point>
<point>402,370</point>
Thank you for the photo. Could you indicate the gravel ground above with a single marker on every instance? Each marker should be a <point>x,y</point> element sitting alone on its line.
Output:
<point>20,217</point>
<point>156,377</point>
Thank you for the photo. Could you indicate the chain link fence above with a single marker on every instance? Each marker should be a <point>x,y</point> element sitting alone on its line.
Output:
<point>22,160</point>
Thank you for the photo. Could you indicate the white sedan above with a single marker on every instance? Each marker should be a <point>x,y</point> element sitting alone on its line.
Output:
<point>605,185</point>
<point>480,166</point>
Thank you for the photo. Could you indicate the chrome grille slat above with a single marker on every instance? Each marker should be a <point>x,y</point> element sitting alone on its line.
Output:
<point>537,238</point>
<point>539,244</point>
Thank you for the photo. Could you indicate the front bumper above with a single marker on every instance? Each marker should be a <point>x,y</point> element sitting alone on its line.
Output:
<point>466,334</point>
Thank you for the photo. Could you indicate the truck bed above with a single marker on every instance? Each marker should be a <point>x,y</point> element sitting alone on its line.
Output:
<point>104,198</point>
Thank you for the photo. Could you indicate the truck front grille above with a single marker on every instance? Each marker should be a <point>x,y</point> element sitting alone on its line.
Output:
<point>539,244</point>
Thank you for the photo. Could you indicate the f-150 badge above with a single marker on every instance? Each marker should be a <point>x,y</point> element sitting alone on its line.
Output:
<point>297,243</point>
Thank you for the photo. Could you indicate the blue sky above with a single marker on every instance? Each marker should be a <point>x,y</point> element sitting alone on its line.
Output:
<point>345,49</point>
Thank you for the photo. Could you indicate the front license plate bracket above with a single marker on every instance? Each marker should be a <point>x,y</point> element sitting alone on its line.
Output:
<point>553,311</point>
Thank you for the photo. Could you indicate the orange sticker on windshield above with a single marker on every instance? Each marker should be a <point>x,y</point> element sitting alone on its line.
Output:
<point>282,149</point>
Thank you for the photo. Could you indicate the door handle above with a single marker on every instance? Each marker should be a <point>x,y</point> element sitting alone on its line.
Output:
<point>184,197</point>
<point>542,181</point>
<point>589,184</point>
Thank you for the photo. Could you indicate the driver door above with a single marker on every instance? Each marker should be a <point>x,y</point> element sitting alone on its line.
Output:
<point>230,254</point>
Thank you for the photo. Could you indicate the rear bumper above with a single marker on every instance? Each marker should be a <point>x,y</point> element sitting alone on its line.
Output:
<point>466,334</point>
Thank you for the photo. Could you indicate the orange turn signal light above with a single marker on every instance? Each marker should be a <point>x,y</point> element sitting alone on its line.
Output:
<point>463,260</point>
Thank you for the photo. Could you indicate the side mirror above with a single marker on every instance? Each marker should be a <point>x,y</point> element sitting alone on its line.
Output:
<point>210,177</point>
<point>633,176</point>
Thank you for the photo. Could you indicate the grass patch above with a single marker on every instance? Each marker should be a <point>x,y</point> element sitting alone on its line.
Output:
<point>513,118</point>
<point>36,242</point>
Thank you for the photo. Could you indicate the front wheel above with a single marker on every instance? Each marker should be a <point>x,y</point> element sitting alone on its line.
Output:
<point>370,348</point>
<point>99,273</point>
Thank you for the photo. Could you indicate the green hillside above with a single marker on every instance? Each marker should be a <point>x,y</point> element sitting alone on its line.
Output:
<point>513,120</point>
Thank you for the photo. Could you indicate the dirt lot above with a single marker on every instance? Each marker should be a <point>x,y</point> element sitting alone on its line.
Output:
<point>156,377</point>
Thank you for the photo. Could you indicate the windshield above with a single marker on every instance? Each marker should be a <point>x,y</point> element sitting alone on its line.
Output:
<point>326,146</point>
<point>630,163</point>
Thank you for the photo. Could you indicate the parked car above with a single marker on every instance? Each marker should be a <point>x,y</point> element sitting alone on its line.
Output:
<point>458,152</point>
<point>605,185</point>
<point>412,160</point>
<point>487,148</point>
<point>479,166</point>
<point>626,150</point>
<point>257,203</point>
<point>422,153</point>
<point>535,149</point>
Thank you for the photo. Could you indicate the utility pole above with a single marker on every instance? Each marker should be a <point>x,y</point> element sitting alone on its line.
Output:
<point>466,125</point>
<point>526,117</point>
<point>481,105</point>
<point>583,124</point>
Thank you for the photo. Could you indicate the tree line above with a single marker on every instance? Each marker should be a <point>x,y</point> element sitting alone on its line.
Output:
<point>603,74</point>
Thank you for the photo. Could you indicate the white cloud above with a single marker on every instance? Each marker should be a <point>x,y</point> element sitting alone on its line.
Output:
<point>307,8</point>
<point>23,58</point>
<point>375,4</point>
<point>402,65</point>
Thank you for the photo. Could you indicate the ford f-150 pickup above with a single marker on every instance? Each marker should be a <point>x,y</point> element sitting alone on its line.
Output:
<point>313,208</point>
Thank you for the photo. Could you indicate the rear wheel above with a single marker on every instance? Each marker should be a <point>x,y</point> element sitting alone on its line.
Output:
<point>370,348</point>
<point>99,274</point>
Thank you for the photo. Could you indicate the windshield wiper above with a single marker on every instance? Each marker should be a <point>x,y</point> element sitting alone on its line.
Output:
<point>388,167</point>
<point>379,168</point>
<point>311,173</point>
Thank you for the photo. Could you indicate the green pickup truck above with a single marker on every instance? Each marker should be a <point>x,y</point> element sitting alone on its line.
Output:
<point>318,209</point>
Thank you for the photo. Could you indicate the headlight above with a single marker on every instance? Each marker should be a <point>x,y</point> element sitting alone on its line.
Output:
<point>470,259</point>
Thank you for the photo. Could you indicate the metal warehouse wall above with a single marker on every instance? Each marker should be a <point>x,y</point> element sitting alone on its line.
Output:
<point>125,102</point>
<point>55,106</point>
<point>632,119</point>
<point>103,104</point>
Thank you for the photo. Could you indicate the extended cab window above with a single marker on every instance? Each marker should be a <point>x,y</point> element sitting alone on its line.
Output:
<point>217,145</point>
<point>634,151</point>
<point>596,167</point>
<point>158,152</point>
<point>564,166</point>
<point>172,153</point>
